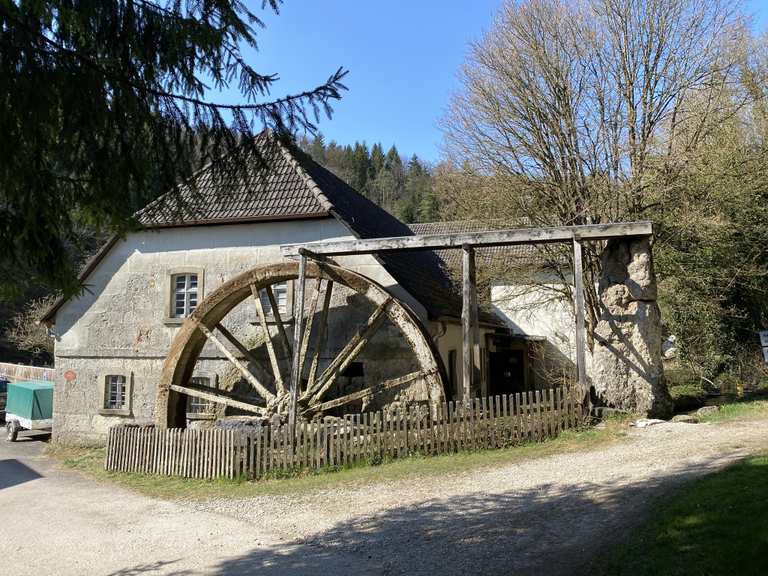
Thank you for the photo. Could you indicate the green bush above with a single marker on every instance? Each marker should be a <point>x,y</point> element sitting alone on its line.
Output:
<point>687,396</point>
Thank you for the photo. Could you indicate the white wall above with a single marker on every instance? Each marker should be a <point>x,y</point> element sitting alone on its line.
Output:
<point>541,311</point>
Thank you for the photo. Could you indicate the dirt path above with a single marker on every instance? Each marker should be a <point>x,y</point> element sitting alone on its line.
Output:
<point>541,516</point>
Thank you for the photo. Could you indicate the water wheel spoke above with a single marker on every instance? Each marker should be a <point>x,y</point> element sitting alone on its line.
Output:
<point>349,352</point>
<point>261,375</point>
<point>258,386</point>
<point>370,391</point>
<point>278,319</point>
<point>218,398</point>
<point>308,327</point>
<point>322,334</point>
<point>268,340</point>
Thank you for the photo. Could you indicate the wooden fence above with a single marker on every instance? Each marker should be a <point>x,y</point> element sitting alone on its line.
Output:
<point>491,422</point>
<point>19,372</point>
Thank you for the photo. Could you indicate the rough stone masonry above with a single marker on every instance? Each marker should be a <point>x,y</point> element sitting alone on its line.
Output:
<point>627,368</point>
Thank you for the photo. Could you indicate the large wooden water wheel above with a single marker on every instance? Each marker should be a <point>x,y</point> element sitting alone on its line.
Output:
<point>264,370</point>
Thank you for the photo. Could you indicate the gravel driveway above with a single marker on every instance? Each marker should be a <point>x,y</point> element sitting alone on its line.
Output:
<point>541,516</point>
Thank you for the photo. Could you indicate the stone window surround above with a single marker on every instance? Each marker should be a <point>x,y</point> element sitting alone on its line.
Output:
<point>171,273</point>
<point>127,410</point>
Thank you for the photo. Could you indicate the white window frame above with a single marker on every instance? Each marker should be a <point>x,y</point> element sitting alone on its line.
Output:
<point>105,382</point>
<point>284,313</point>
<point>171,315</point>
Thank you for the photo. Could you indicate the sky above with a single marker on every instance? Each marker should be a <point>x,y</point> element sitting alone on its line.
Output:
<point>403,58</point>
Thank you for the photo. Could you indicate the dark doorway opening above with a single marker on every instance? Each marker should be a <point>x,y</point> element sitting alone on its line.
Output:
<point>507,372</point>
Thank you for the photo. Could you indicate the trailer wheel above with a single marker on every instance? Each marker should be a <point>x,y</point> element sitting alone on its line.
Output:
<point>13,430</point>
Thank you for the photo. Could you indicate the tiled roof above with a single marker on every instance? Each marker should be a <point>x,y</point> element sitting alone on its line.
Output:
<point>218,194</point>
<point>295,187</point>
<point>490,256</point>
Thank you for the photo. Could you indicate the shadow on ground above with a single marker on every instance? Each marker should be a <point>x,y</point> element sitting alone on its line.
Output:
<point>13,472</point>
<point>546,530</point>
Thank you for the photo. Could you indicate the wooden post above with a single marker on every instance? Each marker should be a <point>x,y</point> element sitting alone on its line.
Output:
<point>298,319</point>
<point>578,284</point>
<point>467,324</point>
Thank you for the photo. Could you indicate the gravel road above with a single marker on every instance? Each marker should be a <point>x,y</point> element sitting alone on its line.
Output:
<point>548,515</point>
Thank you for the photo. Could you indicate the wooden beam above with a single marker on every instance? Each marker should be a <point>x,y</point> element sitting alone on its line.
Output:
<point>474,239</point>
<point>268,340</point>
<point>578,285</point>
<point>258,386</point>
<point>247,354</point>
<point>321,337</point>
<point>218,398</point>
<point>308,327</point>
<point>349,352</point>
<point>467,328</point>
<point>375,389</point>
<point>298,322</point>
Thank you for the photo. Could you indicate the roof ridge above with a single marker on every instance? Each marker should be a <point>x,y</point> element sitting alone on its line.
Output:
<point>308,180</point>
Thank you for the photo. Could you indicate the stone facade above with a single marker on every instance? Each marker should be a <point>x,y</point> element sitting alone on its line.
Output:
<point>122,324</point>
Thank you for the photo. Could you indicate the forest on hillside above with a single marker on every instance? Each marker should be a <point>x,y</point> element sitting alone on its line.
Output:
<point>403,187</point>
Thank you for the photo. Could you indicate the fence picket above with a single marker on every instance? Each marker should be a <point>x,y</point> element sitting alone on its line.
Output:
<point>487,422</point>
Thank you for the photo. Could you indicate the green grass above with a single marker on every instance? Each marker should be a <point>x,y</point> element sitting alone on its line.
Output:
<point>90,461</point>
<point>714,525</point>
<point>743,410</point>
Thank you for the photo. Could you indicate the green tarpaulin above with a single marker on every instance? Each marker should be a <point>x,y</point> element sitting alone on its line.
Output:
<point>32,400</point>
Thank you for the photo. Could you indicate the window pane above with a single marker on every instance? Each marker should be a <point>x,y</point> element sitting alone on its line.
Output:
<point>116,391</point>
<point>199,405</point>
<point>192,281</point>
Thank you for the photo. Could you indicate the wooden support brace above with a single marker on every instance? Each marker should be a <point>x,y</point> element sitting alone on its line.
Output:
<point>258,386</point>
<point>298,322</point>
<point>321,337</point>
<point>349,352</point>
<point>467,321</point>
<point>268,340</point>
<point>218,398</point>
<point>247,354</point>
<point>375,389</point>
<point>578,284</point>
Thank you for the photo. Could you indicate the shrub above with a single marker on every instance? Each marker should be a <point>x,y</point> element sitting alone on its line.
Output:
<point>687,396</point>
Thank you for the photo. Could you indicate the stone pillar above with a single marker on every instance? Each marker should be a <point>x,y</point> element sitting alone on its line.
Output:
<point>627,372</point>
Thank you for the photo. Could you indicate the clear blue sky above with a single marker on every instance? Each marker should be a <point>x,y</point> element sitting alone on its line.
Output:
<point>402,55</point>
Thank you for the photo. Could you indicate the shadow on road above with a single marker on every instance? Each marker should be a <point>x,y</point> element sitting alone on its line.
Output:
<point>552,529</point>
<point>13,472</point>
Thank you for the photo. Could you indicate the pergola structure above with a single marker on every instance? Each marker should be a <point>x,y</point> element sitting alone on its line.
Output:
<point>467,242</point>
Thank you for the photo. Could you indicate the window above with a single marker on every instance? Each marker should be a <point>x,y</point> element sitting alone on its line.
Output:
<point>199,406</point>
<point>115,396</point>
<point>184,294</point>
<point>280,292</point>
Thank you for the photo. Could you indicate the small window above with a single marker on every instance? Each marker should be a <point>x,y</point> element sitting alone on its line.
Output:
<point>199,406</point>
<point>280,292</point>
<point>115,396</point>
<point>184,294</point>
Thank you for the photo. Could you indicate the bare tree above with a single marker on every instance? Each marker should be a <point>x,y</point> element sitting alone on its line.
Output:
<point>582,112</point>
<point>28,334</point>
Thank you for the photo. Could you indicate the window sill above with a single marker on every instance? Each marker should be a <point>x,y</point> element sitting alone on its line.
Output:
<point>115,412</point>
<point>174,321</point>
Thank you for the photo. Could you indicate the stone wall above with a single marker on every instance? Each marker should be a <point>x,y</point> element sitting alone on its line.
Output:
<point>121,325</point>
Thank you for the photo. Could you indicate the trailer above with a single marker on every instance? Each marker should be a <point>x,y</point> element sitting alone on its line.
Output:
<point>29,407</point>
